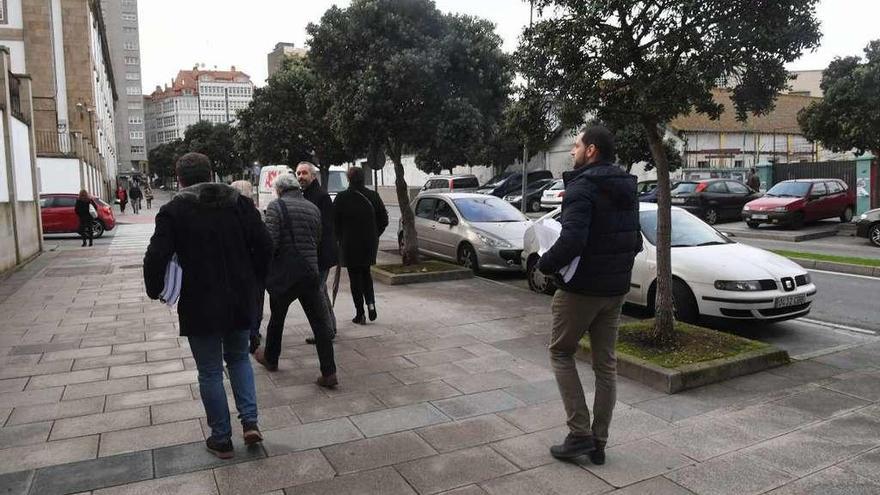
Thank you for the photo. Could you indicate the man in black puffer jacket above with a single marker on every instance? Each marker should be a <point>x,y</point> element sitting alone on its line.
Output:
<point>600,230</point>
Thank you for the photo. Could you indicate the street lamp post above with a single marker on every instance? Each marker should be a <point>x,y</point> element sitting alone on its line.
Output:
<point>525,160</point>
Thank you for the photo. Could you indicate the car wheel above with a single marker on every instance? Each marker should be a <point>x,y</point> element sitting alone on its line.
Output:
<point>686,309</point>
<point>534,205</point>
<point>710,216</point>
<point>467,257</point>
<point>97,230</point>
<point>847,215</point>
<point>753,225</point>
<point>538,282</point>
<point>874,234</point>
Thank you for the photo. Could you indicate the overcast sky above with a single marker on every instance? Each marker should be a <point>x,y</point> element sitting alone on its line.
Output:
<point>177,34</point>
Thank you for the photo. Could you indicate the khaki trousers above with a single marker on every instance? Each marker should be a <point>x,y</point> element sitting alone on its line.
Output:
<point>575,315</point>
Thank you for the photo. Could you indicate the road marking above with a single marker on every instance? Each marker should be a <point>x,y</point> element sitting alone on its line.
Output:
<point>837,326</point>
<point>866,277</point>
<point>824,352</point>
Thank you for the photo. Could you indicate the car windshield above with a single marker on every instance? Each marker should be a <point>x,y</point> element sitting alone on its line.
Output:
<point>789,190</point>
<point>337,181</point>
<point>687,230</point>
<point>538,185</point>
<point>488,209</point>
<point>684,187</point>
<point>559,185</point>
<point>498,179</point>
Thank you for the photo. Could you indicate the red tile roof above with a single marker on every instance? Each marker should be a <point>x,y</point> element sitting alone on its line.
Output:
<point>189,80</point>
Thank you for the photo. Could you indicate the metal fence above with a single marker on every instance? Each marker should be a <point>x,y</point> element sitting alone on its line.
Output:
<point>844,170</point>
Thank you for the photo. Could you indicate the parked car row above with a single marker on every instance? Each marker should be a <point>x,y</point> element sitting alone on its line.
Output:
<point>794,202</point>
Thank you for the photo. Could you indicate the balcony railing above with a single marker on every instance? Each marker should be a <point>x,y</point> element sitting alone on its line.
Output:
<point>68,144</point>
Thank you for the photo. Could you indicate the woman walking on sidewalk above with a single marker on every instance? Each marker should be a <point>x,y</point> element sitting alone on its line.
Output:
<point>122,197</point>
<point>84,211</point>
<point>148,195</point>
<point>361,218</point>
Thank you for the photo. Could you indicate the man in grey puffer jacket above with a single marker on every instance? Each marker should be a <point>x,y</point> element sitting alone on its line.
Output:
<point>303,283</point>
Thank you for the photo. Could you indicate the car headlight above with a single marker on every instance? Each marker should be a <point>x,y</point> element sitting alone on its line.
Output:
<point>863,216</point>
<point>780,209</point>
<point>747,208</point>
<point>512,199</point>
<point>738,285</point>
<point>494,241</point>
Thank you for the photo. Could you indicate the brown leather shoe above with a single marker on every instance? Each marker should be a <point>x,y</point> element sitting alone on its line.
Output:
<point>328,381</point>
<point>260,357</point>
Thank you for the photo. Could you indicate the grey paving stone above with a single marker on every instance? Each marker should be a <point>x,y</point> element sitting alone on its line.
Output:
<point>730,475</point>
<point>470,432</point>
<point>535,392</point>
<point>866,465</point>
<point>185,484</point>
<point>703,440</point>
<point>86,352</point>
<point>466,490</point>
<point>150,437</point>
<point>477,404</point>
<point>448,342</point>
<point>806,371</point>
<point>536,417</point>
<point>768,420</point>
<point>25,370</point>
<point>675,407</point>
<point>553,479</point>
<point>93,474</point>
<point>26,434</point>
<point>177,411</point>
<point>832,481</point>
<point>4,414</point>
<point>428,373</point>
<point>398,419</point>
<point>799,453</point>
<point>43,348</point>
<point>629,424</point>
<point>336,407</point>
<point>531,450</point>
<point>31,397</point>
<point>18,483</point>
<point>310,436</point>
<point>371,453</point>
<point>64,409</point>
<point>385,481</point>
<point>447,471</point>
<point>108,361</point>
<point>379,365</point>
<point>108,387</point>
<point>128,370</point>
<point>432,358</point>
<point>363,383</point>
<point>481,382</point>
<point>189,457</point>
<point>143,398</point>
<point>100,423</point>
<point>48,454</point>
<point>68,378</point>
<point>173,379</point>
<point>852,430</point>
<point>387,350</point>
<point>171,353</point>
<point>13,385</point>
<point>637,461</point>
<point>145,346</point>
<point>401,395</point>
<point>653,486</point>
<point>865,386</point>
<point>850,360</point>
<point>762,382</point>
<point>273,473</point>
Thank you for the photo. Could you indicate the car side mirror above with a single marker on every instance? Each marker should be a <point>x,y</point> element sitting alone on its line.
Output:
<point>447,221</point>
<point>814,197</point>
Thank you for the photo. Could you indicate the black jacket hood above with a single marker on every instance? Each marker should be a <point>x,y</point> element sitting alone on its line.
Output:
<point>210,194</point>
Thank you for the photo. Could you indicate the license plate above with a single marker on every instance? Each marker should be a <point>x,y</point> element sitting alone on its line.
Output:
<point>677,201</point>
<point>759,217</point>
<point>793,300</point>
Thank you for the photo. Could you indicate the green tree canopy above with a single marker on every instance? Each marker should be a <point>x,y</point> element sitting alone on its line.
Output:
<point>163,158</point>
<point>217,142</point>
<point>847,117</point>
<point>646,63</point>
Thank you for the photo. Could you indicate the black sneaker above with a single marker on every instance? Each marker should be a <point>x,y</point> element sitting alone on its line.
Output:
<point>371,311</point>
<point>573,446</point>
<point>223,450</point>
<point>252,433</point>
<point>597,456</point>
<point>360,319</point>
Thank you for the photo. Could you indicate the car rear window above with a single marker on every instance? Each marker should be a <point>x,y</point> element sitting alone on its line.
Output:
<point>63,202</point>
<point>834,187</point>
<point>684,188</point>
<point>465,183</point>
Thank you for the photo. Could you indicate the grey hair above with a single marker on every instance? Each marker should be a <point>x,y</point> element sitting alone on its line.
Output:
<point>286,182</point>
<point>244,188</point>
<point>312,168</point>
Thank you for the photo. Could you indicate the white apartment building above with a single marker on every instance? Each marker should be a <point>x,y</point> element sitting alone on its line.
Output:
<point>194,95</point>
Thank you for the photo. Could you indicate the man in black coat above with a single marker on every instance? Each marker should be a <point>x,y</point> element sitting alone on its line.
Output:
<point>307,175</point>
<point>600,232</point>
<point>360,218</point>
<point>222,247</point>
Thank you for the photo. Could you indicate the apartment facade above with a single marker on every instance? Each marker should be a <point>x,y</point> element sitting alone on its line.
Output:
<point>281,52</point>
<point>194,95</point>
<point>121,20</point>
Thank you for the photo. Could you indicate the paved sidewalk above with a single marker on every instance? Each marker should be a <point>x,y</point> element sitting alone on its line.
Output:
<point>448,392</point>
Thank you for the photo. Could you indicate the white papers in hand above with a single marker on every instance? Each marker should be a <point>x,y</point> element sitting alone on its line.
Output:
<point>547,231</point>
<point>173,282</point>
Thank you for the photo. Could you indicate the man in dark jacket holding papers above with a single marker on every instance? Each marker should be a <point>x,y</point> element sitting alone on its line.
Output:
<point>223,248</point>
<point>600,233</point>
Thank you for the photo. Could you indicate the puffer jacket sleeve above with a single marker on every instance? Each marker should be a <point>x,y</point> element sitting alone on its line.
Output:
<point>159,253</point>
<point>273,223</point>
<point>577,211</point>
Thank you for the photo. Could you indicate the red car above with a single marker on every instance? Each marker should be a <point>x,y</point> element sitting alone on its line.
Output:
<point>59,217</point>
<point>794,202</point>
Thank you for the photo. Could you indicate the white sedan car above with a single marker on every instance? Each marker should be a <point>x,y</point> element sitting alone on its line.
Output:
<point>713,275</point>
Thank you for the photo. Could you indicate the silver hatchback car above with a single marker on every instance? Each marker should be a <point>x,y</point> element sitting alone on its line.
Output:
<point>478,231</point>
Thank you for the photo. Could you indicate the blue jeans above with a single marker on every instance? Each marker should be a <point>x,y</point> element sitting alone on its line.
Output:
<point>210,351</point>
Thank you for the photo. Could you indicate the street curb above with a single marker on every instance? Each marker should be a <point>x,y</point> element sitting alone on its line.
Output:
<point>388,278</point>
<point>833,266</point>
<point>782,236</point>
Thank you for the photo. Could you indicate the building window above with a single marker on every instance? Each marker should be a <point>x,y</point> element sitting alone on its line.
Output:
<point>136,134</point>
<point>130,45</point>
<point>129,17</point>
<point>133,105</point>
<point>4,18</point>
<point>129,29</point>
<point>135,119</point>
<point>137,149</point>
<point>132,76</point>
<point>702,164</point>
<point>131,61</point>
<point>132,90</point>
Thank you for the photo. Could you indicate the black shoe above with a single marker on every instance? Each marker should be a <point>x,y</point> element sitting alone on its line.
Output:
<point>329,381</point>
<point>371,310</point>
<point>252,433</point>
<point>597,456</point>
<point>359,319</point>
<point>256,340</point>
<point>223,450</point>
<point>573,446</point>
<point>311,340</point>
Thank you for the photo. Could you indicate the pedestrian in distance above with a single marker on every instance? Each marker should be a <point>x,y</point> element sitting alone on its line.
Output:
<point>360,219</point>
<point>328,257</point>
<point>754,181</point>
<point>294,226</point>
<point>600,224</point>
<point>246,189</point>
<point>222,247</point>
<point>135,195</point>
<point>148,195</point>
<point>122,197</point>
<point>86,213</point>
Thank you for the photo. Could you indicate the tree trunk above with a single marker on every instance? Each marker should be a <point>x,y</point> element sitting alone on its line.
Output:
<point>323,170</point>
<point>410,251</point>
<point>664,320</point>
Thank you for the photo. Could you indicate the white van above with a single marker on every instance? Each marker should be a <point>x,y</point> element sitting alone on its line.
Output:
<point>266,186</point>
<point>337,180</point>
